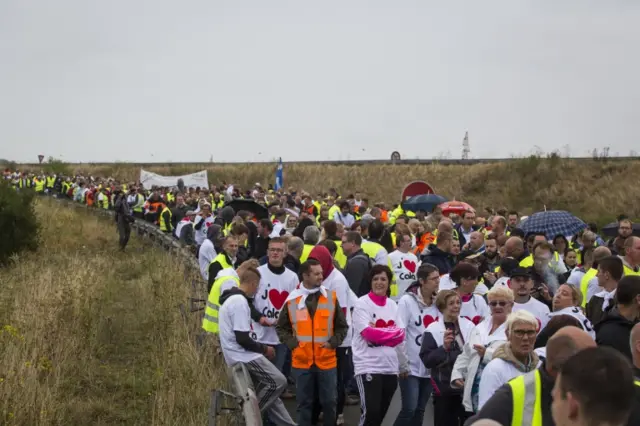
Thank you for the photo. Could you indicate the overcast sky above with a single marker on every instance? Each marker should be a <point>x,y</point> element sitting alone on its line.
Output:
<point>133,80</point>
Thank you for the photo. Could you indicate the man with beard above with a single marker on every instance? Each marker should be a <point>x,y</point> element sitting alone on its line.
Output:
<point>491,252</point>
<point>625,229</point>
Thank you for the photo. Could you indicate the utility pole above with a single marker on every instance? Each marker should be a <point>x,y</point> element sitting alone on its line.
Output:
<point>465,146</point>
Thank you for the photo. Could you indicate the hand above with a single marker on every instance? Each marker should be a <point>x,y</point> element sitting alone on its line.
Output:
<point>265,322</point>
<point>404,375</point>
<point>465,247</point>
<point>458,383</point>
<point>480,349</point>
<point>448,339</point>
<point>544,292</point>
<point>270,353</point>
<point>490,277</point>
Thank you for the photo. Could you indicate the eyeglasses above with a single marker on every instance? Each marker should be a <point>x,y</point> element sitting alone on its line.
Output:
<point>495,303</point>
<point>522,333</point>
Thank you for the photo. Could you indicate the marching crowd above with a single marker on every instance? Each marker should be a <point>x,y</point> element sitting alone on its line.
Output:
<point>351,301</point>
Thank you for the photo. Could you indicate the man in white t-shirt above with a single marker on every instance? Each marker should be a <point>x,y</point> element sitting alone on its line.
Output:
<point>522,286</point>
<point>405,264</point>
<point>276,283</point>
<point>237,340</point>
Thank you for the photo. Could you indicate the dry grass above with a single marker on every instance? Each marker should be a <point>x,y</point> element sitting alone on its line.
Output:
<point>594,190</point>
<point>91,336</point>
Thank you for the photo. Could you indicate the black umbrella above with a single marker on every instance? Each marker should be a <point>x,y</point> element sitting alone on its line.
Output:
<point>611,230</point>
<point>424,202</point>
<point>258,210</point>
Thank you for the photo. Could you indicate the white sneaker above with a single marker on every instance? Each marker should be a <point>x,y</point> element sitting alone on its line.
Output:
<point>340,420</point>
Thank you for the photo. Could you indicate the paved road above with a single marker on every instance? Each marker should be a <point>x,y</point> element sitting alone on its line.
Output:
<point>352,412</point>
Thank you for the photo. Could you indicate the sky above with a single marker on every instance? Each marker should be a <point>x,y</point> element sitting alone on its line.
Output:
<point>252,80</point>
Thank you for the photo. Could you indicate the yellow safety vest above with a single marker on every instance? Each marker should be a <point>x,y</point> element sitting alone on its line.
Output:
<point>170,197</point>
<point>105,201</point>
<point>527,262</point>
<point>210,320</point>
<point>629,271</point>
<point>227,229</point>
<point>371,249</point>
<point>139,206</point>
<point>222,260</point>
<point>333,210</point>
<point>527,395</point>
<point>340,257</point>
<point>584,284</point>
<point>163,225</point>
<point>39,185</point>
<point>51,181</point>
<point>305,252</point>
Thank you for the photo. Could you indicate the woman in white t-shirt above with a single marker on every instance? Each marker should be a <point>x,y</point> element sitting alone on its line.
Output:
<point>404,264</point>
<point>567,301</point>
<point>474,307</point>
<point>378,333</point>
<point>511,359</point>
<point>442,342</point>
<point>417,309</point>
<point>485,338</point>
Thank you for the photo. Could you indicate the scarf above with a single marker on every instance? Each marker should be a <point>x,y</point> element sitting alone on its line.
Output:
<point>505,353</point>
<point>608,297</point>
<point>305,292</point>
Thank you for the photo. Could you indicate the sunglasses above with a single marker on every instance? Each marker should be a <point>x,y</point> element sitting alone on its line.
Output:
<point>500,303</point>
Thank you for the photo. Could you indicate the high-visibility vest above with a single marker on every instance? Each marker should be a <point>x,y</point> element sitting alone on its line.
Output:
<point>629,271</point>
<point>527,262</point>
<point>210,320</point>
<point>221,258</point>
<point>312,333</point>
<point>339,256</point>
<point>227,229</point>
<point>333,210</point>
<point>526,391</point>
<point>305,252</point>
<point>170,197</point>
<point>51,180</point>
<point>164,226</point>
<point>584,284</point>
<point>371,249</point>
<point>139,206</point>
<point>39,185</point>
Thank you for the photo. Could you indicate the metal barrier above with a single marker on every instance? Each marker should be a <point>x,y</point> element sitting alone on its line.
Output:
<point>243,400</point>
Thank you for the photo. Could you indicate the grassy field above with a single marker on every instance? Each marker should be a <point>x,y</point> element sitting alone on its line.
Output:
<point>91,336</point>
<point>595,190</point>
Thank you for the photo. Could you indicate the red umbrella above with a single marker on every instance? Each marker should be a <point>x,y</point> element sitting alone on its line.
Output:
<point>457,207</point>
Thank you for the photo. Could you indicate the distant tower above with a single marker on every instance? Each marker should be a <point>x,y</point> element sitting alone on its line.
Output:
<point>465,146</point>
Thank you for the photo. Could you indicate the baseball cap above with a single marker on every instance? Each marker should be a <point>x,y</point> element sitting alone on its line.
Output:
<point>520,272</point>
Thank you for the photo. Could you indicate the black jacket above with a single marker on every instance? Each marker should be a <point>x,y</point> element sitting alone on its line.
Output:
<point>499,407</point>
<point>614,331</point>
<point>440,362</point>
<point>214,268</point>
<point>357,272</point>
<point>461,237</point>
<point>594,311</point>
<point>440,259</point>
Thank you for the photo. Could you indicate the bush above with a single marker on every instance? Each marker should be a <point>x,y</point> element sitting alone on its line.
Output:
<point>56,167</point>
<point>18,223</point>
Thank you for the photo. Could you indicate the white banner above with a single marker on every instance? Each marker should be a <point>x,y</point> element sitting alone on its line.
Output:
<point>149,179</point>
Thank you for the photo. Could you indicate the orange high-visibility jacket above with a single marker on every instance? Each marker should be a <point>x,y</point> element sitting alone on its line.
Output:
<point>312,333</point>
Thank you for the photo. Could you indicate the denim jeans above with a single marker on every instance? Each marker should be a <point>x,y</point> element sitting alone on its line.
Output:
<point>415,392</point>
<point>314,383</point>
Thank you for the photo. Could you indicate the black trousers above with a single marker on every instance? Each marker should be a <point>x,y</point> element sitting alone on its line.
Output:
<point>448,410</point>
<point>124,230</point>
<point>376,392</point>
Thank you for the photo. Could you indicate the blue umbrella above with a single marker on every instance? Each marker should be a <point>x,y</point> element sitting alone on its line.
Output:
<point>552,223</point>
<point>424,202</point>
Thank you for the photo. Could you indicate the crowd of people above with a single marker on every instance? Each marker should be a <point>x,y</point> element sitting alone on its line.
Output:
<point>350,301</point>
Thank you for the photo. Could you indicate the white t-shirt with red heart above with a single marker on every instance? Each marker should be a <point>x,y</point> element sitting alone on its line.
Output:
<point>405,266</point>
<point>273,290</point>
<point>474,308</point>
<point>416,316</point>
<point>367,358</point>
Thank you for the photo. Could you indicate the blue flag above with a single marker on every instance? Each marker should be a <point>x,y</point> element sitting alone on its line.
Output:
<point>279,182</point>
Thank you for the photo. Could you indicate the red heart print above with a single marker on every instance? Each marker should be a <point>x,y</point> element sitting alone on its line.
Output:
<point>278,298</point>
<point>428,319</point>
<point>476,320</point>
<point>410,265</point>
<point>382,323</point>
